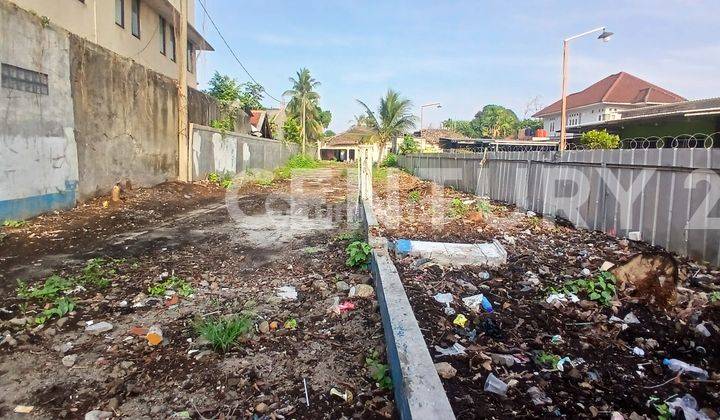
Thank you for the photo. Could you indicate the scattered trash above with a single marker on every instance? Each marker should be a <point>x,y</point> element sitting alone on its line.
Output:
<point>307,397</point>
<point>561,362</point>
<point>287,293</point>
<point>503,359</point>
<point>24,409</point>
<point>635,236</point>
<point>445,370</point>
<point>531,213</point>
<point>630,318</point>
<point>637,351</point>
<point>606,266</point>
<point>679,366</point>
<point>538,397</point>
<point>69,360</point>
<point>586,272</point>
<point>556,339</point>
<point>562,297</point>
<point>361,291</point>
<point>445,298</point>
<point>347,395</point>
<point>98,415</point>
<point>689,406</point>
<point>495,385</point>
<point>484,275</point>
<point>154,335</point>
<point>456,350</point>
<point>702,330</point>
<point>346,306</point>
<point>460,321</point>
<point>476,301</point>
<point>98,328</point>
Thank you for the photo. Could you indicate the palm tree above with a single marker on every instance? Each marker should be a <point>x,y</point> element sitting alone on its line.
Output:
<point>304,105</point>
<point>393,118</point>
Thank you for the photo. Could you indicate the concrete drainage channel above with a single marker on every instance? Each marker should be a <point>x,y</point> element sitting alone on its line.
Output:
<point>419,393</point>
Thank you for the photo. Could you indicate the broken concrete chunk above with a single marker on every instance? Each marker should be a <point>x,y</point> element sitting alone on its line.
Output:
<point>445,370</point>
<point>99,328</point>
<point>69,360</point>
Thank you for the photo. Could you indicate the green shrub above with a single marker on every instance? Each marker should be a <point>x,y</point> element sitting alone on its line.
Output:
<point>390,161</point>
<point>299,161</point>
<point>177,284</point>
<point>547,359</point>
<point>414,196</point>
<point>50,290</point>
<point>221,179</point>
<point>61,307</point>
<point>223,332</point>
<point>358,253</point>
<point>378,371</point>
<point>600,289</point>
<point>225,125</point>
<point>14,224</point>
<point>484,207</point>
<point>409,145</point>
<point>97,272</point>
<point>600,139</point>
<point>458,208</point>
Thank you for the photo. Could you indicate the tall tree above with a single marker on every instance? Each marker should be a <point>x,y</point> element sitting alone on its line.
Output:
<point>223,88</point>
<point>392,119</point>
<point>304,105</point>
<point>496,121</point>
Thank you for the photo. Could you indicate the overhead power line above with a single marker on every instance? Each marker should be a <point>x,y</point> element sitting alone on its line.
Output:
<point>202,4</point>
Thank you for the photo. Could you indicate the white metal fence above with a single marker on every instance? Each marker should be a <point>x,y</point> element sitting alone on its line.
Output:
<point>670,196</point>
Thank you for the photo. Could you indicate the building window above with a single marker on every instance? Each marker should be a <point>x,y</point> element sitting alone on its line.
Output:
<point>135,18</point>
<point>163,41</point>
<point>172,43</point>
<point>190,57</point>
<point>26,80</point>
<point>120,13</point>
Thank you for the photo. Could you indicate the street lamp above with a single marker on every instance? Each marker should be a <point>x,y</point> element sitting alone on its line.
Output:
<point>435,104</point>
<point>605,37</point>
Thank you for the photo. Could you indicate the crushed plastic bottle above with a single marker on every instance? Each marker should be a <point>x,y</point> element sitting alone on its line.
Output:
<point>476,301</point>
<point>689,406</point>
<point>495,385</point>
<point>679,366</point>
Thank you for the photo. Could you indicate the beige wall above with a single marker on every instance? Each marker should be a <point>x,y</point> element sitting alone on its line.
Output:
<point>94,20</point>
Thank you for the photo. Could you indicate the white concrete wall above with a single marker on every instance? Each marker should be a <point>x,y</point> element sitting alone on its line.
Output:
<point>38,154</point>
<point>587,115</point>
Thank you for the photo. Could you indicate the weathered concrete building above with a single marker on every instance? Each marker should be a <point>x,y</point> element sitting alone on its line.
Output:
<point>142,30</point>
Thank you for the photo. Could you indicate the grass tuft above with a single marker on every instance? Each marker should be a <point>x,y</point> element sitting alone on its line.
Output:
<point>223,332</point>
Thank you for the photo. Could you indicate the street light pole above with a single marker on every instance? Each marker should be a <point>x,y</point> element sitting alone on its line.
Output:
<point>422,107</point>
<point>605,37</point>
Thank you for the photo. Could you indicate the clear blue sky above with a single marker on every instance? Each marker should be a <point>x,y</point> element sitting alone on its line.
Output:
<point>464,54</point>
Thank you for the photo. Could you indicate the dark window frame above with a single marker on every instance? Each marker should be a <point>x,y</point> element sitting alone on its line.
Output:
<point>173,45</point>
<point>122,13</point>
<point>163,37</point>
<point>190,57</point>
<point>135,18</point>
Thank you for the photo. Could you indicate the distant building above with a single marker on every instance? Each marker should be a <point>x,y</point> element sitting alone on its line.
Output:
<point>343,147</point>
<point>605,101</point>
<point>142,30</point>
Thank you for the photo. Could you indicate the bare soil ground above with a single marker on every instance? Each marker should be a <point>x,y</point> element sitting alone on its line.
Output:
<point>233,265</point>
<point>603,374</point>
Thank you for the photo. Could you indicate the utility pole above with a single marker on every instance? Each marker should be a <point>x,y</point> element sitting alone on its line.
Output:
<point>183,143</point>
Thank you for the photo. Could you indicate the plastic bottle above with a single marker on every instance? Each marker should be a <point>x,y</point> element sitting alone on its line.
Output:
<point>486,304</point>
<point>679,366</point>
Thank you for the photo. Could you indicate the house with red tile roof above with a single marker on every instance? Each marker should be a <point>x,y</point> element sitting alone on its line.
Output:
<point>605,101</point>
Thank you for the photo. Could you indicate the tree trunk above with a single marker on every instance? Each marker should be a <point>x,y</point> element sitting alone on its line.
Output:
<point>304,134</point>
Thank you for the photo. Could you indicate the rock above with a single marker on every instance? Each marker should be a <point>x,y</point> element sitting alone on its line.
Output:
<point>361,291</point>
<point>113,404</point>
<point>586,272</point>
<point>69,360</point>
<point>264,327</point>
<point>606,266</point>
<point>319,285</point>
<point>63,348</point>
<point>261,408</point>
<point>99,328</point>
<point>61,322</point>
<point>18,321</point>
<point>157,409</point>
<point>50,332</point>
<point>445,370</point>
<point>342,286</point>
<point>98,415</point>
<point>9,340</point>
<point>651,343</point>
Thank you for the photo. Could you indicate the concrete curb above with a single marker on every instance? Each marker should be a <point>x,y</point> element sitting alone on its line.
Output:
<point>419,393</point>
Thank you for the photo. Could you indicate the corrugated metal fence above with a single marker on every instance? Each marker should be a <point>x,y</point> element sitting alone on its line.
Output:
<point>670,196</point>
